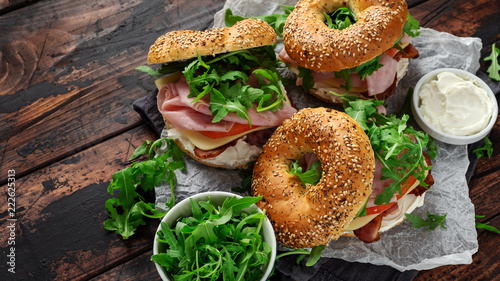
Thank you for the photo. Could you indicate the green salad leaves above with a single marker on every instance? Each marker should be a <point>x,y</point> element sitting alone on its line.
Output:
<point>398,147</point>
<point>494,68</point>
<point>215,76</point>
<point>276,21</point>
<point>127,211</point>
<point>216,242</point>
<point>486,148</point>
<point>340,18</point>
<point>431,222</point>
<point>486,226</point>
<point>311,176</point>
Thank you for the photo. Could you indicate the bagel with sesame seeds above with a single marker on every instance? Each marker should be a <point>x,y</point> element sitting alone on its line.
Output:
<point>360,47</point>
<point>219,91</point>
<point>314,215</point>
<point>186,44</point>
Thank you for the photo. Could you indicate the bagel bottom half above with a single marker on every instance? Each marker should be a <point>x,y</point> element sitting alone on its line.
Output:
<point>314,215</point>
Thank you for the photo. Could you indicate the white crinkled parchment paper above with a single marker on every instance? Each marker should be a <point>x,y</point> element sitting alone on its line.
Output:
<point>402,247</point>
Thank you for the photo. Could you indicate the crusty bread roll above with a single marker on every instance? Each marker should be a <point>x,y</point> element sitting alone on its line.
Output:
<point>313,45</point>
<point>186,44</point>
<point>307,217</point>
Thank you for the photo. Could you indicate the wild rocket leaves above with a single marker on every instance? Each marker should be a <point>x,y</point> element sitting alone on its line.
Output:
<point>340,19</point>
<point>494,68</point>
<point>311,176</point>
<point>398,147</point>
<point>225,78</point>
<point>216,242</point>
<point>127,211</point>
<point>276,21</point>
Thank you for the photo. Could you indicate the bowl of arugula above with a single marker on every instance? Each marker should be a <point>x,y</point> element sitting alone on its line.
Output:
<point>215,236</point>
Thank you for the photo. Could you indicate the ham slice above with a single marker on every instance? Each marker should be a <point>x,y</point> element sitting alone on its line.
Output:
<point>383,78</point>
<point>376,83</point>
<point>379,185</point>
<point>180,111</point>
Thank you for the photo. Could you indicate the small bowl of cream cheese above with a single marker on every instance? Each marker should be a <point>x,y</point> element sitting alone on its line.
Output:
<point>454,106</point>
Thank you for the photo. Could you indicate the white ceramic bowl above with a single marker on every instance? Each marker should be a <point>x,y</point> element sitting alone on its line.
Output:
<point>436,133</point>
<point>183,209</point>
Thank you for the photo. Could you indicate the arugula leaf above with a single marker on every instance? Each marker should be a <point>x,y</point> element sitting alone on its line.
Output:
<point>307,79</point>
<point>311,176</point>
<point>486,226</point>
<point>314,254</point>
<point>276,21</point>
<point>363,70</point>
<point>412,26</point>
<point>127,211</point>
<point>216,243</point>
<point>389,137</point>
<point>165,69</point>
<point>340,18</point>
<point>432,221</point>
<point>494,69</point>
<point>487,147</point>
<point>215,77</point>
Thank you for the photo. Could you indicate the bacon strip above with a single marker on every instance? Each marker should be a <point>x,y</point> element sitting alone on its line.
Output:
<point>409,52</point>
<point>369,232</point>
<point>205,154</point>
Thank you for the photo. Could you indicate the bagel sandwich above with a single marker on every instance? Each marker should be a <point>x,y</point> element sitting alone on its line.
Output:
<point>353,190</point>
<point>219,92</point>
<point>403,168</point>
<point>357,47</point>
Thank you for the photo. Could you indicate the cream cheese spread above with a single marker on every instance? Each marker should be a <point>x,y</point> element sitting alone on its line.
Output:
<point>454,105</point>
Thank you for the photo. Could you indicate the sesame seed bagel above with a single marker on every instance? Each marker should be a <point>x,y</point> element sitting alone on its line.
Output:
<point>314,215</point>
<point>186,44</point>
<point>313,45</point>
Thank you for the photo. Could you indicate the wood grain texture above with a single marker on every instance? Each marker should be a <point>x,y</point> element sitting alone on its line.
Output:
<point>139,268</point>
<point>61,211</point>
<point>67,82</point>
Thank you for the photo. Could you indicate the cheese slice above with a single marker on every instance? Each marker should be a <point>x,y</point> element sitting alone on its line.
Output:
<point>207,143</point>
<point>167,79</point>
<point>403,45</point>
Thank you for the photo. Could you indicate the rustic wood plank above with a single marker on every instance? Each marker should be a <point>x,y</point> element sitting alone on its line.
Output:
<point>60,211</point>
<point>460,17</point>
<point>140,268</point>
<point>77,65</point>
<point>10,5</point>
<point>64,67</point>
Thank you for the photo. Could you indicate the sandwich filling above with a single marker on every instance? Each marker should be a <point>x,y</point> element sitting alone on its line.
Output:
<point>393,66</point>
<point>224,106</point>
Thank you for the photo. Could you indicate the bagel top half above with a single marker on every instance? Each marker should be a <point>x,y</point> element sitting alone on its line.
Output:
<point>313,45</point>
<point>185,44</point>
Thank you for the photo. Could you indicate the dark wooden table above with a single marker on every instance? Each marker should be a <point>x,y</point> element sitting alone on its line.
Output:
<point>67,82</point>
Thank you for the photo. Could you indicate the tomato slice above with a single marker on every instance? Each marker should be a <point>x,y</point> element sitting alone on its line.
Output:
<point>391,52</point>
<point>236,129</point>
<point>404,189</point>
